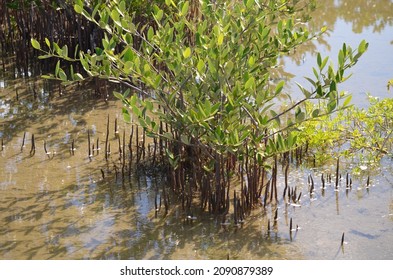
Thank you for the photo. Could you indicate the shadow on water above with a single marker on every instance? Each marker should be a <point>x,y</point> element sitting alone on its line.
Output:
<point>38,104</point>
<point>104,220</point>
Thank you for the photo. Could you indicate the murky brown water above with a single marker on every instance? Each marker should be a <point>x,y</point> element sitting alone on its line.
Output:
<point>59,206</point>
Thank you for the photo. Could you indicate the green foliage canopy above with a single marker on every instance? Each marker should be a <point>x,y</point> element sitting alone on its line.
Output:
<point>206,68</point>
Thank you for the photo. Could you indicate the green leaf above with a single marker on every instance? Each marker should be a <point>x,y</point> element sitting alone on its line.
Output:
<point>57,68</point>
<point>220,39</point>
<point>280,141</point>
<point>115,16</point>
<point>341,58</point>
<point>362,47</point>
<point>62,75</point>
<point>316,74</point>
<point>347,101</point>
<point>64,51</point>
<point>325,60</point>
<point>35,44</point>
<point>277,119</point>
<point>184,9</point>
<point>306,93</point>
<point>299,115</point>
<point>136,111</point>
<point>291,140</point>
<point>118,95</point>
<point>250,83</point>
<point>157,82</point>
<point>251,61</point>
<point>333,86</point>
<point>47,76</point>
<point>126,115</point>
<point>279,87</point>
<point>229,67</point>
<point>150,33</point>
<point>319,61</point>
<point>187,52</point>
<point>44,56</point>
<point>47,42</point>
<point>122,7</point>
<point>332,105</point>
<point>78,8</point>
<point>78,77</point>
<point>168,136</point>
<point>58,50</point>
<point>184,139</point>
<point>159,15</point>
<point>201,66</point>
<point>250,3</point>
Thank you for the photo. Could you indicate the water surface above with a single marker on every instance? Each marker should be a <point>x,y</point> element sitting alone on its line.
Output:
<point>60,206</point>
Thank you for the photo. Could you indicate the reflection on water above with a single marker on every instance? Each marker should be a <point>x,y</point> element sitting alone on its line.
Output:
<point>350,22</point>
<point>61,207</point>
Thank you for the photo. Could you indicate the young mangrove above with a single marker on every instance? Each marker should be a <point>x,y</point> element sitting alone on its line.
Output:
<point>199,81</point>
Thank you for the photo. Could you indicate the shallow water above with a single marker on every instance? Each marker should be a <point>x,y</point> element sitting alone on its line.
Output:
<point>350,22</point>
<point>59,206</point>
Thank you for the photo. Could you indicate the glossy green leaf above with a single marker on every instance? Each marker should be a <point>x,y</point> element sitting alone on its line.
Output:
<point>35,44</point>
<point>187,52</point>
<point>362,47</point>
<point>251,61</point>
<point>78,8</point>
<point>78,77</point>
<point>47,42</point>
